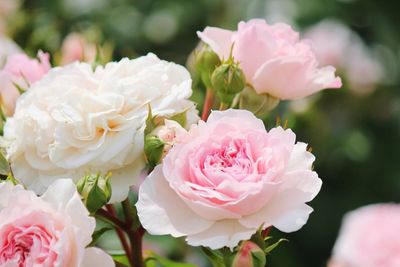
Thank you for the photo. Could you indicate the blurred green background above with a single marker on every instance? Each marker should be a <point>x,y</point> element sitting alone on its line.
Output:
<point>355,137</point>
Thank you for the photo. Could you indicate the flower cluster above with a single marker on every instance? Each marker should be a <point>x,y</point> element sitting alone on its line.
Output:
<point>82,134</point>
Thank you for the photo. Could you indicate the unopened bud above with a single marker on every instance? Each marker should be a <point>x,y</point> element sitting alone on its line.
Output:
<point>161,139</point>
<point>249,255</point>
<point>206,62</point>
<point>95,191</point>
<point>153,149</point>
<point>228,80</point>
<point>259,104</point>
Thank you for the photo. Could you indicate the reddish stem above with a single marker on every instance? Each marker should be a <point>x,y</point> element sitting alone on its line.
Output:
<point>208,103</point>
<point>121,235</point>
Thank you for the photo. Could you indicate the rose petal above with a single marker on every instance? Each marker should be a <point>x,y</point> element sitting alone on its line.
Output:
<point>219,40</point>
<point>96,257</point>
<point>162,212</point>
<point>222,233</point>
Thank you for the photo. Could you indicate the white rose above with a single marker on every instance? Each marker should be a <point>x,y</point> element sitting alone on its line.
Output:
<point>76,120</point>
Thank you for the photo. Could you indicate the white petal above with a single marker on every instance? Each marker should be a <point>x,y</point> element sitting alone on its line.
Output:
<point>123,178</point>
<point>62,195</point>
<point>300,158</point>
<point>161,211</point>
<point>223,233</point>
<point>95,257</point>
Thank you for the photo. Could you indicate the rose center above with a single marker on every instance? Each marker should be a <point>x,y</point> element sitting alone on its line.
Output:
<point>18,244</point>
<point>231,158</point>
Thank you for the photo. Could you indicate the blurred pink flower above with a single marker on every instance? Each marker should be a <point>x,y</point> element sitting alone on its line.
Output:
<point>7,48</point>
<point>227,177</point>
<point>76,48</point>
<point>273,58</point>
<point>7,8</point>
<point>369,238</point>
<point>336,44</point>
<point>51,230</point>
<point>21,71</point>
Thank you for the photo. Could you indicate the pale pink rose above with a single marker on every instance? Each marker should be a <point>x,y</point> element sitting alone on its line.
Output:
<point>76,48</point>
<point>369,237</point>
<point>22,71</point>
<point>336,44</point>
<point>227,177</point>
<point>275,61</point>
<point>51,230</point>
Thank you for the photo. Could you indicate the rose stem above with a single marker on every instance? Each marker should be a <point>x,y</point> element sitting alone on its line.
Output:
<point>208,102</point>
<point>121,235</point>
<point>135,236</point>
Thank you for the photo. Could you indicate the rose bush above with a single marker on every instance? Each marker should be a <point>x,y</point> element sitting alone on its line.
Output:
<point>368,238</point>
<point>273,58</point>
<point>20,71</point>
<point>76,120</point>
<point>51,230</point>
<point>227,177</point>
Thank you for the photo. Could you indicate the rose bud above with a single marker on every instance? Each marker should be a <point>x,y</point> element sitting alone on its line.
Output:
<point>259,104</point>
<point>153,149</point>
<point>206,62</point>
<point>161,139</point>
<point>249,255</point>
<point>228,80</point>
<point>95,191</point>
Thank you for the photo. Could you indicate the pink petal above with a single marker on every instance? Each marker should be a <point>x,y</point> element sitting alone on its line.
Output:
<point>223,233</point>
<point>162,212</point>
<point>219,40</point>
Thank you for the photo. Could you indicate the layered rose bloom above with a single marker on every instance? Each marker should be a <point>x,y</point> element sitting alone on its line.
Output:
<point>77,121</point>
<point>20,71</point>
<point>227,177</point>
<point>51,230</point>
<point>369,238</point>
<point>273,58</point>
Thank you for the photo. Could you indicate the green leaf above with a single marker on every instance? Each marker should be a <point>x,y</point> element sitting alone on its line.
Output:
<point>121,259</point>
<point>154,258</point>
<point>150,123</point>
<point>180,118</point>
<point>270,248</point>
<point>4,165</point>
<point>97,234</point>
<point>215,257</point>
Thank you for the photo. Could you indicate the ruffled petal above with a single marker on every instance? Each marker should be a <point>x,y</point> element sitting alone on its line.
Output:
<point>161,211</point>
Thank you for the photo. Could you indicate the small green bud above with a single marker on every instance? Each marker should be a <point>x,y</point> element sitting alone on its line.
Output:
<point>259,104</point>
<point>228,80</point>
<point>95,191</point>
<point>153,149</point>
<point>248,255</point>
<point>206,62</point>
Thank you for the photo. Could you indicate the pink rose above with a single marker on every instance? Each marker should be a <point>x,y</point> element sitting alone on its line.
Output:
<point>227,177</point>
<point>273,59</point>
<point>336,44</point>
<point>76,48</point>
<point>369,237</point>
<point>51,230</point>
<point>22,71</point>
